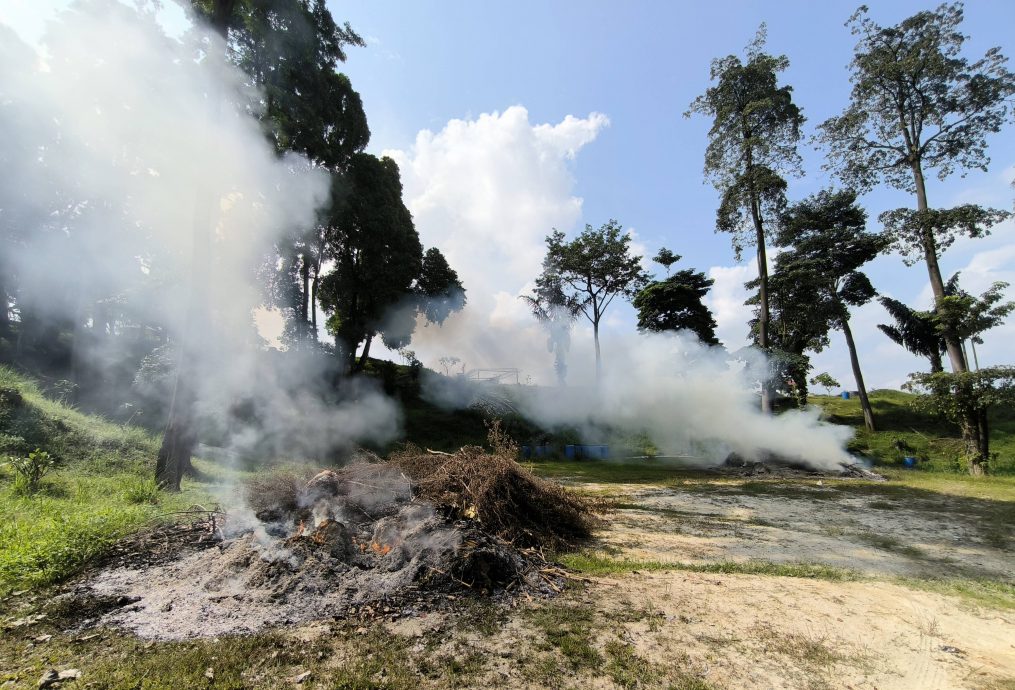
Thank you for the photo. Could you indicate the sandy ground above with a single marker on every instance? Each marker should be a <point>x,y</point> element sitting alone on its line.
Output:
<point>760,631</point>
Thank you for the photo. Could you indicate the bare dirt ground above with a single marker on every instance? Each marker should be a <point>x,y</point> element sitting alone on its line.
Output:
<point>769,631</point>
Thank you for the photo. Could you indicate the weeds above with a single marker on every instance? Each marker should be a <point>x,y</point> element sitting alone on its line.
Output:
<point>596,564</point>
<point>29,471</point>
<point>138,490</point>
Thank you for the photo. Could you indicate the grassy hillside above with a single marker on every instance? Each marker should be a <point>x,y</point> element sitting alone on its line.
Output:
<point>99,490</point>
<point>904,431</point>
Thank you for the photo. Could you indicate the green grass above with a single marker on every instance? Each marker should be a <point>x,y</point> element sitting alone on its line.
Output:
<point>568,629</point>
<point>100,491</point>
<point>904,431</point>
<point>598,564</point>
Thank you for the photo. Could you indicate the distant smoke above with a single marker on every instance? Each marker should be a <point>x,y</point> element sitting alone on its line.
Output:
<point>691,400</point>
<point>117,141</point>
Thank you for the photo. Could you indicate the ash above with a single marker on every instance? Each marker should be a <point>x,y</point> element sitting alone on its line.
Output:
<point>342,544</point>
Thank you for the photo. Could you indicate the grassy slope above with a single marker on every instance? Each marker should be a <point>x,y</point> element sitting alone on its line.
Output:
<point>903,431</point>
<point>95,495</point>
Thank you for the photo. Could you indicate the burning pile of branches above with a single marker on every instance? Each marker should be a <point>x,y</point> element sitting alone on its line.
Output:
<point>395,536</point>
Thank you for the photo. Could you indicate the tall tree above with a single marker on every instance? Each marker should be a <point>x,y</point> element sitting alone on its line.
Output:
<point>675,304</point>
<point>376,251</point>
<point>594,268</point>
<point>827,245</point>
<point>290,49</point>
<point>439,290</point>
<point>919,105</point>
<point>752,142</point>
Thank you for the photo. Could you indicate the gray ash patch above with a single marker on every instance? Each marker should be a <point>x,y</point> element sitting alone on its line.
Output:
<point>343,543</point>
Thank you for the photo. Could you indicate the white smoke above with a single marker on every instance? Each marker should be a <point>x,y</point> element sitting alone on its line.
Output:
<point>488,191</point>
<point>121,146</point>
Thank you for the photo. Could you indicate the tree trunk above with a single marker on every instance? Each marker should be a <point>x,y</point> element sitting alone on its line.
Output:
<point>764,314</point>
<point>179,437</point>
<point>981,464</point>
<point>5,308</point>
<point>868,412</point>
<point>313,299</point>
<point>955,356</point>
<point>936,365</point>
<point>599,356</point>
<point>366,352</point>
<point>304,316</point>
<point>174,458</point>
<point>970,425</point>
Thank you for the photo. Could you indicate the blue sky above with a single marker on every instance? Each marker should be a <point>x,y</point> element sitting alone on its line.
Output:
<point>640,64</point>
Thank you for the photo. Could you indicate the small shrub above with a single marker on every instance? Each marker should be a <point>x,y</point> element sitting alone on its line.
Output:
<point>138,490</point>
<point>30,470</point>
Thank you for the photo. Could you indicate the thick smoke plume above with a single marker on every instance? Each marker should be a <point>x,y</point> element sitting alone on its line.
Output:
<point>137,174</point>
<point>691,400</point>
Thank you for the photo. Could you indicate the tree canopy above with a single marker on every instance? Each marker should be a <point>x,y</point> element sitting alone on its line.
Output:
<point>676,303</point>
<point>593,269</point>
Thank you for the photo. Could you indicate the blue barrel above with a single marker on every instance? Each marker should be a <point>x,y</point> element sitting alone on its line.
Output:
<point>569,452</point>
<point>909,461</point>
<point>526,452</point>
<point>845,395</point>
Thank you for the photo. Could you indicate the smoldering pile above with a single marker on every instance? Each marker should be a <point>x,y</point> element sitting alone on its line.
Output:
<point>392,538</point>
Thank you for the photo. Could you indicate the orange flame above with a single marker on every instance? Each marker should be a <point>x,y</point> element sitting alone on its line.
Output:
<point>380,549</point>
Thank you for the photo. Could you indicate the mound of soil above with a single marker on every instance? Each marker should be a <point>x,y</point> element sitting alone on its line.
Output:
<point>384,538</point>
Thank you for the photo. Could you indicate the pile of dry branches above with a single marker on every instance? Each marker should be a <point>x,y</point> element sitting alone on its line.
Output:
<point>509,501</point>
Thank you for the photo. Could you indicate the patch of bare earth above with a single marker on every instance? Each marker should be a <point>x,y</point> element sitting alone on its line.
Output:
<point>803,523</point>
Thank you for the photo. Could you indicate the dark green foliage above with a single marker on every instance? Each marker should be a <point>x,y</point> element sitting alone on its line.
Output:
<point>754,135</point>
<point>666,258</point>
<point>817,279</point>
<point>375,247</point>
<point>965,398</point>
<point>675,303</point>
<point>440,291</point>
<point>959,313</point>
<point>914,72</point>
<point>908,229</point>
<point>826,381</point>
<point>966,317</point>
<point>914,330</point>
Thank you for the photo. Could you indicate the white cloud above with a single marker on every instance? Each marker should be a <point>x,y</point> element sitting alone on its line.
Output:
<point>487,191</point>
<point>726,300</point>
